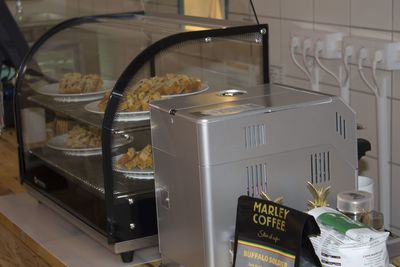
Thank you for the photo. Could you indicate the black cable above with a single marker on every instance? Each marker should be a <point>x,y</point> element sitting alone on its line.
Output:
<point>254,11</point>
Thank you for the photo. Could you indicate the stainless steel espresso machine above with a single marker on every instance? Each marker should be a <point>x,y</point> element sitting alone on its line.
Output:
<point>209,149</point>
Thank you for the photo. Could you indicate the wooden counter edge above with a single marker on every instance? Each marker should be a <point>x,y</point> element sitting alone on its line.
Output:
<point>29,242</point>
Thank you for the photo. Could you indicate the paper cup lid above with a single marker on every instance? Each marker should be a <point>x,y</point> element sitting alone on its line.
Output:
<point>355,202</point>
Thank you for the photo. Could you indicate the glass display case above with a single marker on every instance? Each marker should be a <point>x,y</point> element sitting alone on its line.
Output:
<point>83,126</point>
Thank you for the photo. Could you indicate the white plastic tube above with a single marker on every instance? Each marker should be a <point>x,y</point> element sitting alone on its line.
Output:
<point>384,150</point>
<point>345,88</point>
<point>343,82</point>
<point>310,67</point>
<point>318,50</point>
<point>384,155</point>
<point>293,47</point>
<point>312,74</point>
<point>380,91</point>
<point>363,55</point>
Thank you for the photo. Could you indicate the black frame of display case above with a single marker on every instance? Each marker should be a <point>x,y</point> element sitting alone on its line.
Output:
<point>41,188</point>
<point>117,222</point>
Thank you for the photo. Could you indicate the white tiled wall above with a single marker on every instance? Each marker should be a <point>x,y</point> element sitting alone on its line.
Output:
<point>371,18</point>
<point>371,14</point>
<point>333,12</point>
<point>297,9</point>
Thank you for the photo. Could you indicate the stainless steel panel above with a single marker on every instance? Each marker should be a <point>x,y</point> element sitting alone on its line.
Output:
<point>213,149</point>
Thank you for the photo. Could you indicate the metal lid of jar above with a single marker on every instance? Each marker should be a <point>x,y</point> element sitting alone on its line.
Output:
<point>355,202</point>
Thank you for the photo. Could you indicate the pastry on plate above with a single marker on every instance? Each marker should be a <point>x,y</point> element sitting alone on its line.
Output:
<point>139,96</point>
<point>136,159</point>
<point>76,83</point>
<point>81,138</point>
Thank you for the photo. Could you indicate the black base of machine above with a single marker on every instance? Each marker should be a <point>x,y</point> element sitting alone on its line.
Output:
<point>127,256</point>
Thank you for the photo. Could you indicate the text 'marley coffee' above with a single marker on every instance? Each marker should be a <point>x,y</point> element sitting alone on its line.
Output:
<point>269,234</point>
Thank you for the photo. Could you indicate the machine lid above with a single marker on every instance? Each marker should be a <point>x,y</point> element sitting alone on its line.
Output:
<point>217,104</point>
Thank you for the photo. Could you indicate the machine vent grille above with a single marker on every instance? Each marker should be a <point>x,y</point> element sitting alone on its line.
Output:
<point>340,125</point>
<point>254,136</point>
<point>320,167</point>
<point>256,179</point>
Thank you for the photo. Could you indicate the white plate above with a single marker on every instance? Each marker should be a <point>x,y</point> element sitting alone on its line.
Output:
<point>58,143</point>
<point>120,116</point>
<point>138,115</point>
<point>53,90</point>
<point>203,87</point>
<point>135,173</point>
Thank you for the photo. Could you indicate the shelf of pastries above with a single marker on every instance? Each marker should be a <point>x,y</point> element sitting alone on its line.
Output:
<point>85,97</point>
<point>77,155</point>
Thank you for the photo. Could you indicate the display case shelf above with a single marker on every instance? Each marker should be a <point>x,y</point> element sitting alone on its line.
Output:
<point>87,171</point>
<point>76,111</point>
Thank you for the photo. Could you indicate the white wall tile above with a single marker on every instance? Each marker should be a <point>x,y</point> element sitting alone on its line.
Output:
<point>396,74</point>
<point>300,83</point>
<point>396,132</point>
<point>365,108</point>
<point>153,7</point>
<point>369,167</point>
<point>274,26</point>
<point>372,14</point>
<point>114,6</point>
<point>396,84</point>
<point>240,17</point>
<point>86,7</point>
<point>270,8</point>
<point>239,6</point>
<point>332,11</point>
<point>345,30</point>
<point>332,90</point>
<point>396,14</point>
<point>298,9</point>
<point>132,6</point>
<point>354,31</point>
<point>395,196</point>
<point>161,2</point>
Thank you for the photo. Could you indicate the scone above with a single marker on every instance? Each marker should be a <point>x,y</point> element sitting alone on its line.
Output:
<point>70,83</point>
<point>75,83</point>
<point>133,159</point>
<point>91,83</point>
<point>79,137</point>
<point>139,96</point>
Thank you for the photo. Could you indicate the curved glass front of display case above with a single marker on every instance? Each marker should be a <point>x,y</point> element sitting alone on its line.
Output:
<point>59,136</point>
<point>82,108</point>
<point>200,59</point>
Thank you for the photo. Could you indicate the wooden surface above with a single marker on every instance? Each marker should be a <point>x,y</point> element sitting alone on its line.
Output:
<point>9,174</point>
<point>17,248</point>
